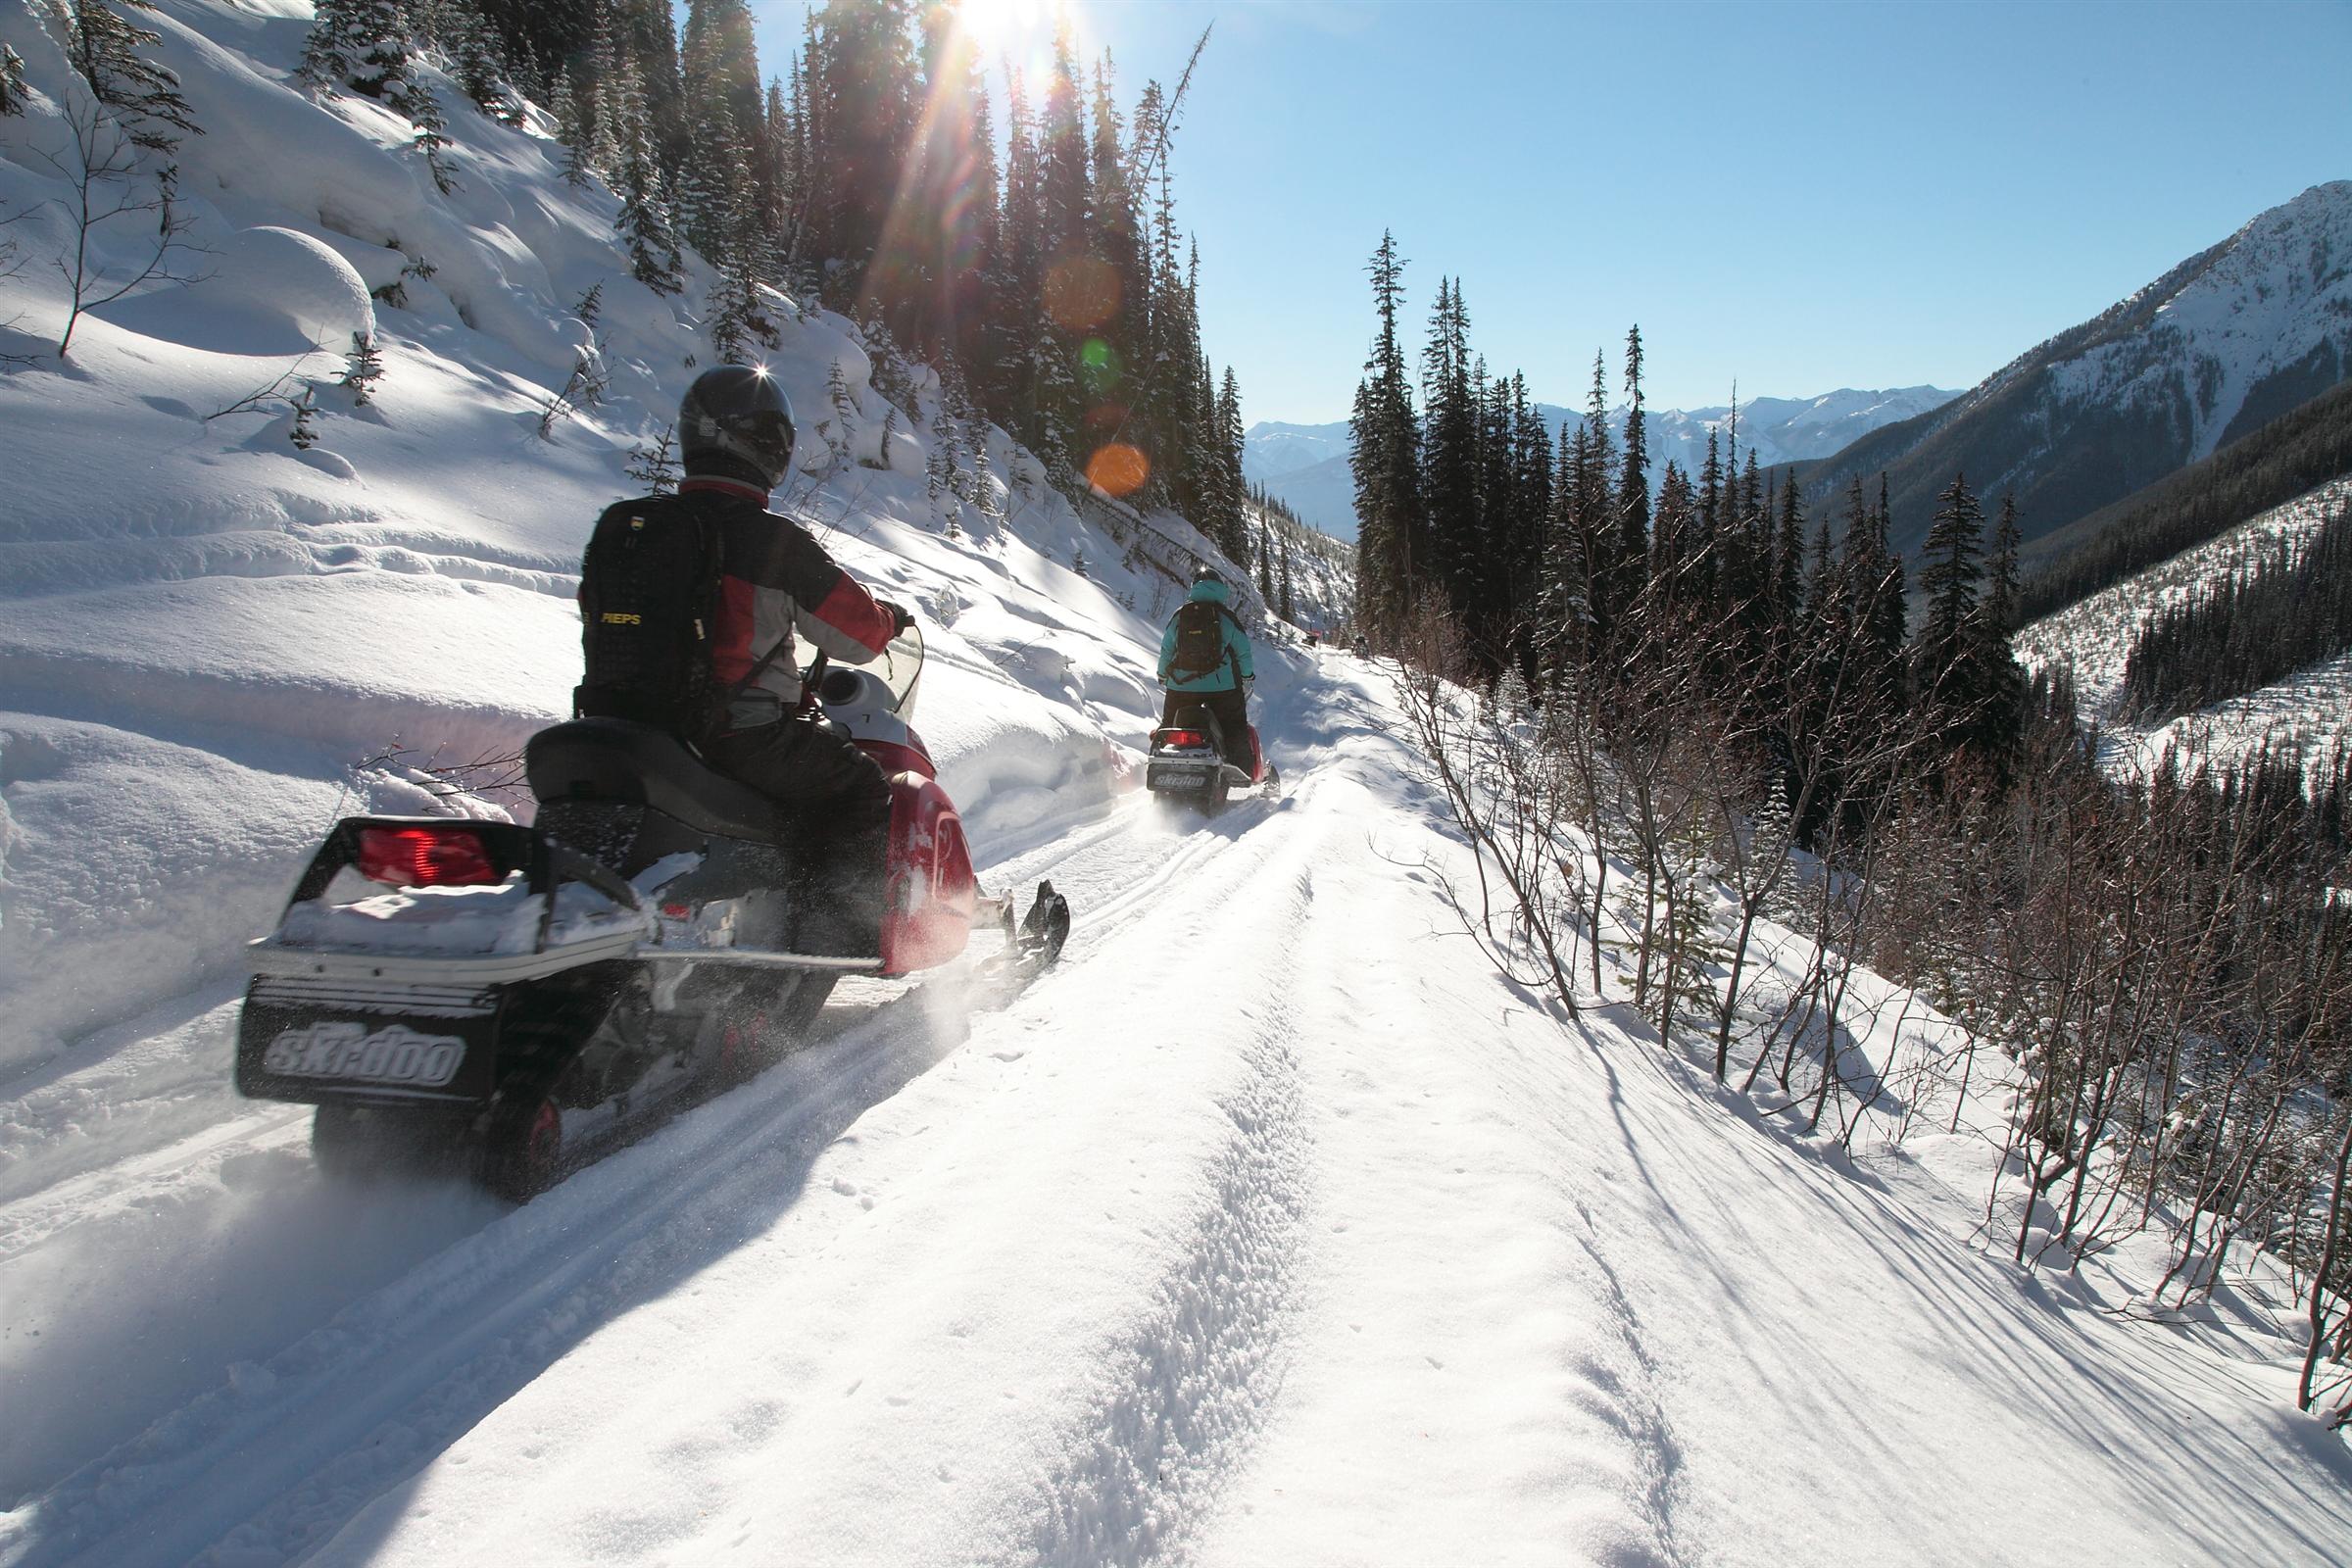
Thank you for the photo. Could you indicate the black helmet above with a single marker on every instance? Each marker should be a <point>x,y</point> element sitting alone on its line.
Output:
<point>1205,572</point>
<point>735,422</point>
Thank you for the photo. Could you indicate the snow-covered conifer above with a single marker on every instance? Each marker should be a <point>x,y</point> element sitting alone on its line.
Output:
<point>714,183</point>
<point>305,433</point>
<point>478,60</point>
<point>12,82</point>
<point>362,367</point>
<point>361,44</point>
<point>104,47</point>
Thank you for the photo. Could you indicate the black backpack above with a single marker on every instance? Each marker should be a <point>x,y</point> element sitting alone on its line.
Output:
<point>1199,640</point>
<point>649,607</point>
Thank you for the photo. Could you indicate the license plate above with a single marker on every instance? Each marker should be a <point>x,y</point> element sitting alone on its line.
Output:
<point>348,1052</point>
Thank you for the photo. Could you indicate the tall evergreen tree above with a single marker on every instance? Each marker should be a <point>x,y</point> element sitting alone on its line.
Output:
<point>1385,457</point>
<point>1630,549</point>
<point>1450,451</point>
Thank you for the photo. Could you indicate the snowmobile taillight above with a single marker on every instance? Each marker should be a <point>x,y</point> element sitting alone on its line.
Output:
<point>425,858</point>
<point>1182,738</point>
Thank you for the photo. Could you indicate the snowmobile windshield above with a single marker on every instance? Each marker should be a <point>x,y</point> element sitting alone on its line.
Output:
<point>901,668</point>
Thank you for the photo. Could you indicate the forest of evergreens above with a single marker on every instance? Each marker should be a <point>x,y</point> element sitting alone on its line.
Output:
<point>2284,613</point>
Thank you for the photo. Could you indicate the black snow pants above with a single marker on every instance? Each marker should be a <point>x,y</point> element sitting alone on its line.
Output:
<point>1232,711</point>
<point>835,806</point>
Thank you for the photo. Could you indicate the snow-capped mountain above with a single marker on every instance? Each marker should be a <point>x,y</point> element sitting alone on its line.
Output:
<point>1272,449</point>
<point>1306,465</point>
<point>2229,339</point>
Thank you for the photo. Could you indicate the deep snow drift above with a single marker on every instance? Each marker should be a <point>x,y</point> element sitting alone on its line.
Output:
<point>1272,1227</point>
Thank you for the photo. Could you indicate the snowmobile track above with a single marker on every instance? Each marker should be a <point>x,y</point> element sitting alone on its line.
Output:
<point>349,1410</point>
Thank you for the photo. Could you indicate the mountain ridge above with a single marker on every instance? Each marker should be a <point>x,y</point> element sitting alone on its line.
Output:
<point>1306,466</point>
<point>2213,348</point>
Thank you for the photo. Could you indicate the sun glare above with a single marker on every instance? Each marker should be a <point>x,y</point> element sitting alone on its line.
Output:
<point>1001,25</point>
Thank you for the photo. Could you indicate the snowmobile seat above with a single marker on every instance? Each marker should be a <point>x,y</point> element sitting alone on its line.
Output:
<point>617,760</point>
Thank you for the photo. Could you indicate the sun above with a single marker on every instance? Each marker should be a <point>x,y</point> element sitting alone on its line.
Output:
<point>997,26</point>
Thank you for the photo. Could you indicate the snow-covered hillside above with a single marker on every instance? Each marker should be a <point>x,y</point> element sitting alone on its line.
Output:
<point>1306,465</point>
<point>1273,1226</point>
<point>2093,637</point>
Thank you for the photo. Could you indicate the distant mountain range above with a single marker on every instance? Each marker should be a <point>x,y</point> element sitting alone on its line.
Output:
<point>1305,465</point>
<point>2232,338</point>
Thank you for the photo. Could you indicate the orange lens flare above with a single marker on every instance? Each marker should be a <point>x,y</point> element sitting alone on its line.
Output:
<point>1082,293</point>
<point>1118,470</point>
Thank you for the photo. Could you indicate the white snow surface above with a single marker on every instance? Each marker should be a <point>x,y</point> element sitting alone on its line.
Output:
<point>2093,638</point>
<point>1271,1226</point>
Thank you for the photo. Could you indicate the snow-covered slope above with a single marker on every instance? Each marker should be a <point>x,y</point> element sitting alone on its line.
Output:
<point>1272,1226</point>
<point>2229,339</point>
<point>1306,465</point>
<point>2093,637</point>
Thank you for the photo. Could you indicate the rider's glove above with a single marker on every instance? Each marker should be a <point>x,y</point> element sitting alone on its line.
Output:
<point>900,617</point>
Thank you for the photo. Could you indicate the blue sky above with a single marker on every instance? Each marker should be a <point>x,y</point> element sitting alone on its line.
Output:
<point>1799,197</point>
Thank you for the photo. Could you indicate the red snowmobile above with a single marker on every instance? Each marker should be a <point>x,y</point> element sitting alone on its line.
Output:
<point>1188,761</point>
<point>519,999</point>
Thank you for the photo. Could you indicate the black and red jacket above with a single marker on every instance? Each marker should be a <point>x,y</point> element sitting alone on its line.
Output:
<point>777,582</point>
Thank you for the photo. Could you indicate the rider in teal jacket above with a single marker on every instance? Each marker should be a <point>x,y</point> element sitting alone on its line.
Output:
<point>1234,667</point>
<point>1222,689</point>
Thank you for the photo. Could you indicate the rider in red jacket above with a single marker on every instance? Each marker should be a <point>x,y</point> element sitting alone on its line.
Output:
<point>777,585</point>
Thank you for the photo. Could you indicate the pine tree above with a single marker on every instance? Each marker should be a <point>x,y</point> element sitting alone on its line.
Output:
<point>1450,451</point>
<point>361,44</point>
<point>362,367</point>
<point>2000,579</point>
<point>1948,581</point>
<point>643,220</point>
<point>715,181</point>
<point>478,60</point>
<point>1632,545</point>
<point>1289,610</point>
<point>863,115</point>
<point>12,82</point>
<point>656,466</point>
<point>719,59</point>
<point>1232,531</point>
<point>303,432</point>
<point>365,46</point>
<point>104,47</point>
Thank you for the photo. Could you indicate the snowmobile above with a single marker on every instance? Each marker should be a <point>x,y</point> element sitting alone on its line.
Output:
<point>1187,762</point>
<point>514,999</point>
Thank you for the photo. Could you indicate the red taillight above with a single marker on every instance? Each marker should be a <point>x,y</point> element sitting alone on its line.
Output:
<point>425,857</point>
<point>1181,737</point>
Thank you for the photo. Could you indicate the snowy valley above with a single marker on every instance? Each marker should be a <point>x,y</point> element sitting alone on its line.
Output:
<point>1274,1225</point>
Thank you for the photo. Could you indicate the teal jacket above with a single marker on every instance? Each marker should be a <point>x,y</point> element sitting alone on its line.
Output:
<point>1234,669</point>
